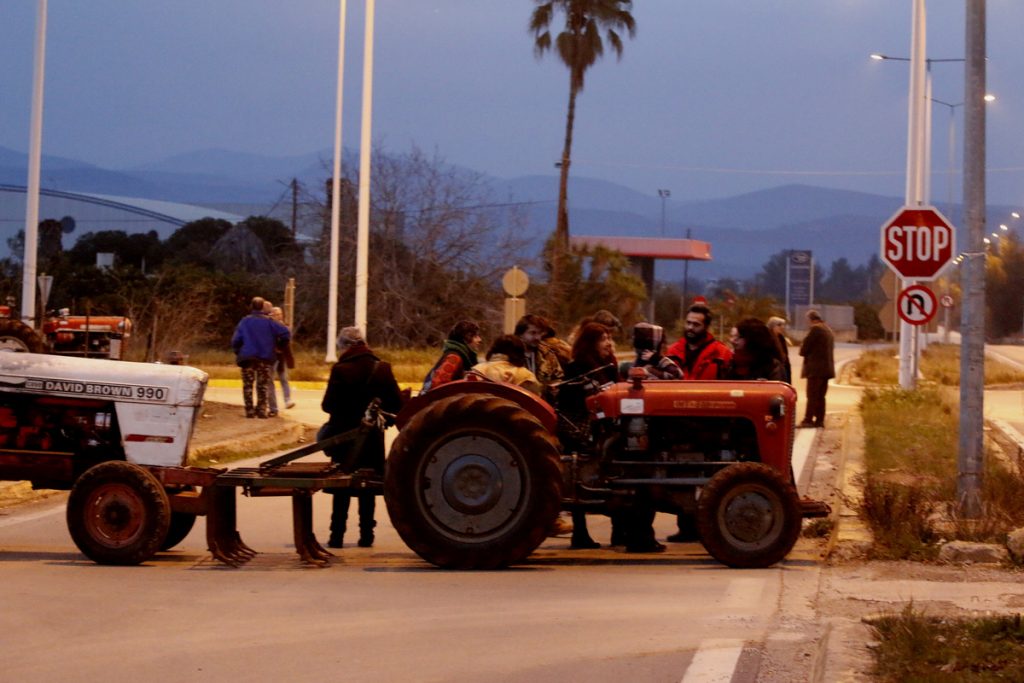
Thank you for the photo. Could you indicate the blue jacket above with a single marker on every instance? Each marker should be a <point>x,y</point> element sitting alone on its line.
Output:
<point>257,337</point>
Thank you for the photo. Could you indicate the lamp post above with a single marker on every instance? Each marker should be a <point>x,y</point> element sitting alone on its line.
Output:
<point>664,194</point>
<point>332,277</point>
<point>918,162</point>
<point>952,152</point>
<point>28,271</point>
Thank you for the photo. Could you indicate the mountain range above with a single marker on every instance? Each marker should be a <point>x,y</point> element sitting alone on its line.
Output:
<point>744,230</point>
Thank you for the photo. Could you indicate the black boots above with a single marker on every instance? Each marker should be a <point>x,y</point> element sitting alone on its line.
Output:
<point>581,539</point>
<point>366,533</point>
<point>339,520</point>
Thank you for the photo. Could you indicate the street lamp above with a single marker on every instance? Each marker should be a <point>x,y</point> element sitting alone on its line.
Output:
<point>926,134</point>
<point>664,194</point>
<point>952,151</point>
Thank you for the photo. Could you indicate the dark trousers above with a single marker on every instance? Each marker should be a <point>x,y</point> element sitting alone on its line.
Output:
<point>372,457</point>
<point>339,514</point>
<point>816,389</point>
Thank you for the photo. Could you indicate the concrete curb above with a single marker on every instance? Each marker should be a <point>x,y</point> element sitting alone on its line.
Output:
<point>851,536</point>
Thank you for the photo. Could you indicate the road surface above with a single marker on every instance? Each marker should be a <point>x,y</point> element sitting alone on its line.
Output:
<point>383,614</point>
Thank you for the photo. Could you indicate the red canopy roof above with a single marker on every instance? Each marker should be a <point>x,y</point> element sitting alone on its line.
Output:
<point>650,247</point>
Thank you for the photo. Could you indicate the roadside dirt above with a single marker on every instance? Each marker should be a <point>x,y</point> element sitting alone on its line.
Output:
<point>222,434</point>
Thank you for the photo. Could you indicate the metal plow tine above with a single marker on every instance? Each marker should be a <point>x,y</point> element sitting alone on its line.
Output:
<point>316,548</point>
<point>242,549</point>
<point>222,537</point>
<point>306,544</point>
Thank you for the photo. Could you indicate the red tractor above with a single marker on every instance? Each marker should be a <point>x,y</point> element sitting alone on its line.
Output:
<point>480,470</point>
<point>88,336</point>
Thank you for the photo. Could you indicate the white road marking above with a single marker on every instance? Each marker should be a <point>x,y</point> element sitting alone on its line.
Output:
<point>715,661</point>
<point>20,519</point>
<point>801,453</point>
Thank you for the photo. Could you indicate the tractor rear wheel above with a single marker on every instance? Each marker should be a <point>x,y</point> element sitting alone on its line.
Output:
<point>16,336</point>
<point>473,482</point>
<point>118,513</point>
<point>748,515</point>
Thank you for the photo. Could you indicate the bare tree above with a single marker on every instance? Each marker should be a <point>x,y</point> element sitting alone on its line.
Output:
<point>438,247</point>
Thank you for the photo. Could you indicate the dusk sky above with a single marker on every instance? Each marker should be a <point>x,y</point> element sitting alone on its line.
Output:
<point>712,97</point>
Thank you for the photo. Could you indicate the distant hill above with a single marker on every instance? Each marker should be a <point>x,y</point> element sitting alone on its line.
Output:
<point>744,230</point>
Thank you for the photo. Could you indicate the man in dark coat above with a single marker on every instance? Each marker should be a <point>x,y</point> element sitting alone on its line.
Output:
<point>819,367</point>
<point>356,379</point>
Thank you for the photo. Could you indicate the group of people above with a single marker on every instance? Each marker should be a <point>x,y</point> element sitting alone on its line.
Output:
<point>536,359</point>
<point>262,345</point>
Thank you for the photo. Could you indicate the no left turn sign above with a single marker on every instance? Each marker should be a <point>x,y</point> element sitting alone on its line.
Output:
<point>916,305</point>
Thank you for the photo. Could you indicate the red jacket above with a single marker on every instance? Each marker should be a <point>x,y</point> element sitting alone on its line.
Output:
<point>711,358</point>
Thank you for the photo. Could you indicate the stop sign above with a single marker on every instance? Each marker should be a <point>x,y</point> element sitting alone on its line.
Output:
<point>918,242</point>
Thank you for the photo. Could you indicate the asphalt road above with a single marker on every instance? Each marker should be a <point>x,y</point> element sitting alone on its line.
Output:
<point>382,613</point>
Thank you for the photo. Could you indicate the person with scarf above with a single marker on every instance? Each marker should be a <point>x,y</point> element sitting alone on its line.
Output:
<point>458,354</point>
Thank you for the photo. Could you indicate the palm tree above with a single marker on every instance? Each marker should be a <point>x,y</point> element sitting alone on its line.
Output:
<point>588,24</point>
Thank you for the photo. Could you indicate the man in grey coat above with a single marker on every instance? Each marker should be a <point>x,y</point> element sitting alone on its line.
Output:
<point>819,367</point>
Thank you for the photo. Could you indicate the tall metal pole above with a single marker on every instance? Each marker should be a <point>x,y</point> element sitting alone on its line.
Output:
<point>35,153</point>
<point>365,143</point>
<point>972,317</point>
<point>332,276</point>
<point>915,188</point>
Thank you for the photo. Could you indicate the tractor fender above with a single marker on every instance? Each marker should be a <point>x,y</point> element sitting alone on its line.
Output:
<point>529,401</point>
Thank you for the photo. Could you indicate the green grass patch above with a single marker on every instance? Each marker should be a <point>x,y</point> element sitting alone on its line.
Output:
<point>915,647</point>
<point>940,363</point>
<point>910,456</point>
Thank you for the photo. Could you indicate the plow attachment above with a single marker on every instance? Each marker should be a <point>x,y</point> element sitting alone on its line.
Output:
<point>282,476</point>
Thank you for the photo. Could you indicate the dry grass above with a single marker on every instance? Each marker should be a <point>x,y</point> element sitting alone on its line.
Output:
<point>911,446</point>
<point>915,647</point>
<point>409,365</point>
<point>940,363</point>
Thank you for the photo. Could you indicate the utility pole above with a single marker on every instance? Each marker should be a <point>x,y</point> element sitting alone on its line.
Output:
<point>972,317</point>
<point>664,194</point>
<point>295,206</point>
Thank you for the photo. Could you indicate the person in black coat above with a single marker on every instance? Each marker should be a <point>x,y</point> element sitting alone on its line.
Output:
<point>356,379</point>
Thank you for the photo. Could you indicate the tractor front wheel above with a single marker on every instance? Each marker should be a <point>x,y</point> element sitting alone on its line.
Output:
<point>749,515</point>
<point>118,513</point>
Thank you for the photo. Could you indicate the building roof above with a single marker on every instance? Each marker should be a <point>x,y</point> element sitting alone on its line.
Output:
<point>650,247</point>
<point>93,212</point>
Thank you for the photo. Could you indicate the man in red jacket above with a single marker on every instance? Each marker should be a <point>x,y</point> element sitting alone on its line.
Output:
<point>698,353</point>
<point>700,356</point>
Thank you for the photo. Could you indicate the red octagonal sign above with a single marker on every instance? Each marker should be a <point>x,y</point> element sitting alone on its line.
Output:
<point>918,242</point>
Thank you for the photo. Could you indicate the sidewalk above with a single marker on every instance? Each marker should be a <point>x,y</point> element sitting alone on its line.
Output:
<point>852,589</point>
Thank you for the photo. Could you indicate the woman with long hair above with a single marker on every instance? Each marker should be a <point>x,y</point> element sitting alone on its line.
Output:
<point>593,353</point>
<point>756,354</point>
